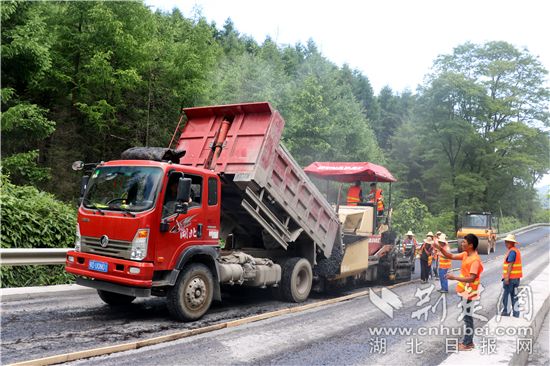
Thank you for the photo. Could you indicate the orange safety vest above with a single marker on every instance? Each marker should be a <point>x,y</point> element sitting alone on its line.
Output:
<point>354,194</point>
<point>464,289</point>
<point>517,269</point>
<point>445,262</point>
<point>379,199</point>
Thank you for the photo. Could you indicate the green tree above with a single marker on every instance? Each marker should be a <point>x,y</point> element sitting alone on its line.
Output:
<point>480,115</point>
<point>411,214</point>
<point>324,119</point>
<point>362,90</point>
<point>25,62</point>
<point>511,105</point>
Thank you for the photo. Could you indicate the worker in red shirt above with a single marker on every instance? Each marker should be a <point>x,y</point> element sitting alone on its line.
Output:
<point>468,283</point>
<point>512,271</point>
<point>355,194</point>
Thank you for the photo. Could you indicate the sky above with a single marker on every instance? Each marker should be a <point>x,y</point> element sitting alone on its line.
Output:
<point>392,42</point>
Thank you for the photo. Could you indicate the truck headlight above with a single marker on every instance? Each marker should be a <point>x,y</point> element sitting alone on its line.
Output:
<point>77,239</point>
<point>139,245</point>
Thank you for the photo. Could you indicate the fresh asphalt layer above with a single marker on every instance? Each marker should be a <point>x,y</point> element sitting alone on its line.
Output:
<point>342,333</point>
<point>333,334</point>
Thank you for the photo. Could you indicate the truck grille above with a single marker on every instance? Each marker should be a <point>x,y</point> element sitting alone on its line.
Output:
<point>115,248</point>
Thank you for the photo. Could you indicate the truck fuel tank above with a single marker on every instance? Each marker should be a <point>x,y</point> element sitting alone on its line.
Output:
<point>239,268</point>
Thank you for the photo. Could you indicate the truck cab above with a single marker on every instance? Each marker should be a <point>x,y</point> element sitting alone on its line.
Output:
<point>132,234</point>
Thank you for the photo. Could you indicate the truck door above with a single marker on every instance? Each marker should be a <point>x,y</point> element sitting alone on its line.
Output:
<point>184,230</point>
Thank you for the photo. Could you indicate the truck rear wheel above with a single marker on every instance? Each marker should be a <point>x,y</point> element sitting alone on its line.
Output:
<point>114,299</point>
<point>191,296</point>
<point>296,280</point>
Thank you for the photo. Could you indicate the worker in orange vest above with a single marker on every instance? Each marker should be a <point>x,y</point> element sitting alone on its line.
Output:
<point>376,198</point>
<point>435,261</point>
<point>444,264</point>
<point>426,252</point>
<point>355,194</point>
<point>468,283</point>
<point>512,271</point>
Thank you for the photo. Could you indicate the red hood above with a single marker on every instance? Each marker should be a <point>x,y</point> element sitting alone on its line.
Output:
<point>113,224</point>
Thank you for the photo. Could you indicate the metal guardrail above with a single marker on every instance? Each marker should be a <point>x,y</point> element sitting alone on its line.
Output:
<point>46,256</point>
<point>32,256</point>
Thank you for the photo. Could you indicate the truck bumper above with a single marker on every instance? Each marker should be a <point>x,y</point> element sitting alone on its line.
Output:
<point>113,287</point>
<point>118,270</point>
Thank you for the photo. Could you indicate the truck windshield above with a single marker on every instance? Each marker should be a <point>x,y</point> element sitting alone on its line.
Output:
<point>123,188</point>
<point>475,221</point>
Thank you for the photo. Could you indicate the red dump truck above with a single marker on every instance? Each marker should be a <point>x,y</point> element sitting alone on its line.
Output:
<point>227,206</point>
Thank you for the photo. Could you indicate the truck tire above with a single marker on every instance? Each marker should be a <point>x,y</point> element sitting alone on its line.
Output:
<point>191,296</point>
<point>296,280</point>
<point>114,299</point>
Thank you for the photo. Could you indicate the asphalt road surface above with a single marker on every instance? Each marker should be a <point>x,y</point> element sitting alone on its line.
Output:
<point>342,333</point>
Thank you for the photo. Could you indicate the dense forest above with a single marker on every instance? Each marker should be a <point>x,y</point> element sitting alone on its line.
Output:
<point>86,80</point>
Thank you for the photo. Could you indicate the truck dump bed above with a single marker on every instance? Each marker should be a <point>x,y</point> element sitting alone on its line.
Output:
<point>268,201</point>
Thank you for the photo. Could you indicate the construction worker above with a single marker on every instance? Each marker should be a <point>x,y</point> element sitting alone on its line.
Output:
<point>426,257</point>
<point>444,264</point>
<point>355,194</point>
<point>468,283</point>
<point>435,260</point>
<point>410,247</point>
<point>511,273</point>
<point>409,243</point>
<point>431,258</point>
<point>375,197</point>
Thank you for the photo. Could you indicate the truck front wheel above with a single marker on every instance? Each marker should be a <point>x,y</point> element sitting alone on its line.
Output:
<point>296,280</point>
<point>114,299</point>
<point>191,296</point>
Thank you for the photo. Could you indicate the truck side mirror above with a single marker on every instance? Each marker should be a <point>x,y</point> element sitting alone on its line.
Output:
<point>184,190</point>
<point>182,198</point>
<point>77,165</point>
<point>164,226</point>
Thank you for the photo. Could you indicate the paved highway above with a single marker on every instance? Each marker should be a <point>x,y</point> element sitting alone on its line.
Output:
<point>336,334</point>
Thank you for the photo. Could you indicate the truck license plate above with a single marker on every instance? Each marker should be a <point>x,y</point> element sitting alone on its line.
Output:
<point>97,266</point>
